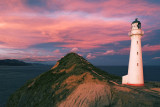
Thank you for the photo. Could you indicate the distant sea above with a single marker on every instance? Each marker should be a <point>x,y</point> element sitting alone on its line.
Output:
<point>13,77</point>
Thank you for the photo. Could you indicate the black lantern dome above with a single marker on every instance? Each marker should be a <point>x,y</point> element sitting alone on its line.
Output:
<point>137,21</point>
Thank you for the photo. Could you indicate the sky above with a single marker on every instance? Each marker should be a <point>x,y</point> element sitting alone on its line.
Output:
<point>45,30</point>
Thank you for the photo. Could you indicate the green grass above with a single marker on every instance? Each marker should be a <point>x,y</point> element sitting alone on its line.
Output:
<point>41,94</point>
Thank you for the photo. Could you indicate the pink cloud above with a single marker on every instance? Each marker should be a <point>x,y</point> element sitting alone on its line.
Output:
<point>156,58</point>
<point>56,51</point>
<point>73,28</point>
<point>109,8</point>
<point>124,51</point>
<point>109,52</point>
<point>77,23</point>
<point>151,47</point>
<point>74,50</point>
<point>68,30</point>
<point>90,56</point>
<point>14,7</point>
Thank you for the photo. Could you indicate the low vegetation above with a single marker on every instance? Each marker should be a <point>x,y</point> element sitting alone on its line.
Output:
<point>75,81</point>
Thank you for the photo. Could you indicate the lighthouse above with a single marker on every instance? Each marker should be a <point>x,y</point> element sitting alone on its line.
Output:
<point>135,66</point>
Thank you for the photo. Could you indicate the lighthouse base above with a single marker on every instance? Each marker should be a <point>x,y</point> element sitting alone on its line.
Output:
<point>138,85</point>
<point>135,84</point>
<point>125,81</point>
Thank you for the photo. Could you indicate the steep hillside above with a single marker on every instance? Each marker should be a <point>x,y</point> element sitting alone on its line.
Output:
<point>74,82</point>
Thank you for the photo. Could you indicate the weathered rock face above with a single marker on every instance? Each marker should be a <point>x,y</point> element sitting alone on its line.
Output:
<point>74,82</point>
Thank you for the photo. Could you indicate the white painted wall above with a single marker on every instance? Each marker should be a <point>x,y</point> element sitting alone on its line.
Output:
<point>135,68</point>
<point>125,79</point>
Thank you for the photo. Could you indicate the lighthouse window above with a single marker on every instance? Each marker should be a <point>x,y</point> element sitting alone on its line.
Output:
<point>137,53</point>
<point>137,42</point>
<point>137,64</point>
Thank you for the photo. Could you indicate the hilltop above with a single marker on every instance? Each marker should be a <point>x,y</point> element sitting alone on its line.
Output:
<point>75,82</point>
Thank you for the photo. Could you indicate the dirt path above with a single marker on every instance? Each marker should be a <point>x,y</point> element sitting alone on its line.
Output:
<point>104,77</point>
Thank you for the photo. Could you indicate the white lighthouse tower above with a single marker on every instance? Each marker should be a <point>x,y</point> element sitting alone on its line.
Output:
<point>135,67</point>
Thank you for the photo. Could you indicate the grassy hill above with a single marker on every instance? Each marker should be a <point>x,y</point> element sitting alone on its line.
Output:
<point>74,82</point>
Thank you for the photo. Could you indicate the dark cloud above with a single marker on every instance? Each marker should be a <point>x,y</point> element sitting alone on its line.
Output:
<point>36,2</point>
<point>154,1</point>
<point>117,45</point>
<point>111,60</point>
<point>2,42</point>
<point>148,58</point>
<point>152,38</point>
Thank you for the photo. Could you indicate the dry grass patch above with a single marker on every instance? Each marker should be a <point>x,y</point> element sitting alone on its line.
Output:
<point>156,89</point>
<point>62,70</point>
<point>70,82</point>
<point>54,86</point>
<point>30,85</point>
<point>88,95</point>
<point>122,88</point>
<point>71,68</point>
<point>55,65</point>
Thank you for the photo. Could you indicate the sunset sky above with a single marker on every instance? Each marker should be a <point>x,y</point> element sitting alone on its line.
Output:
<point>45,30</point>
